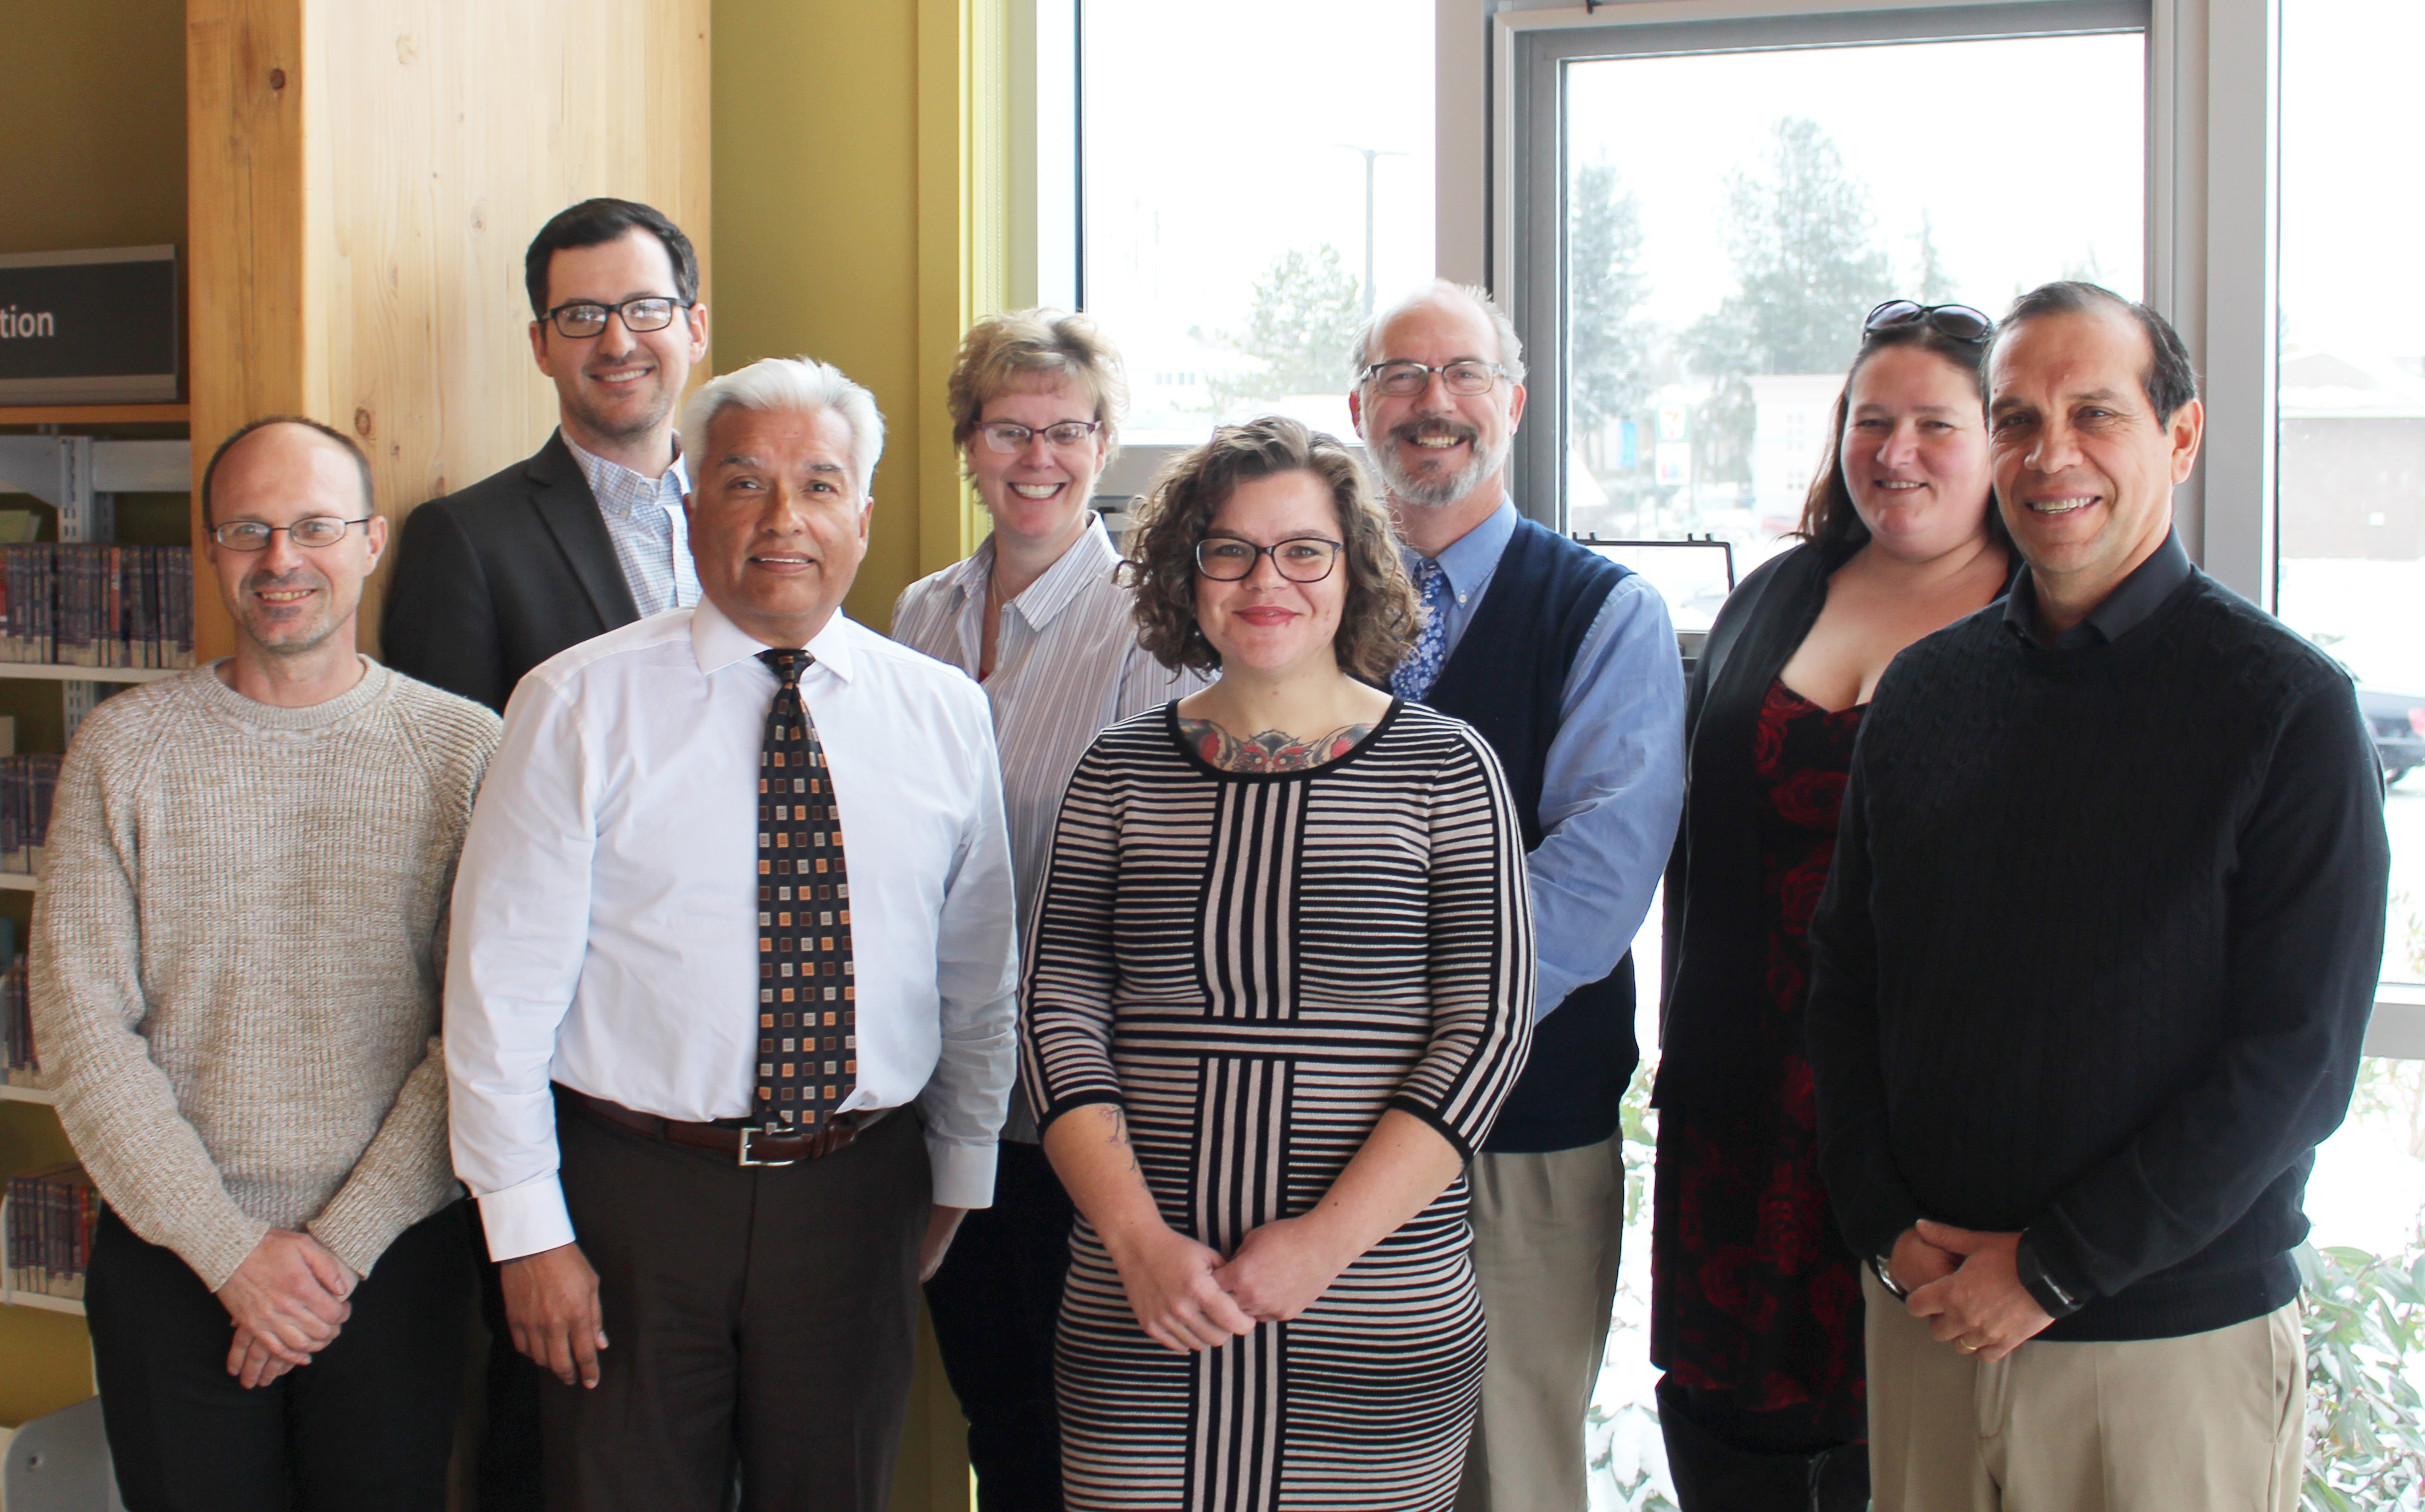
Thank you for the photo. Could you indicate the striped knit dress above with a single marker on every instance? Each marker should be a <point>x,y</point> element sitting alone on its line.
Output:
<point>1255,967</point>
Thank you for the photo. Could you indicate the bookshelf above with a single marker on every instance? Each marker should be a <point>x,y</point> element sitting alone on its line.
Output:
<point>80,476</point>
<point>9,1295</point>
<point>96,414</point>
<point>55,671</point>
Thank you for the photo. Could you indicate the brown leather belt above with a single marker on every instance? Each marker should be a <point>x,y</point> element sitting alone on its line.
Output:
<point>747,1146</point>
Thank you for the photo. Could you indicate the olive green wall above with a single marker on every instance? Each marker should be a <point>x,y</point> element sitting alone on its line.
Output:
<point>815,131</point>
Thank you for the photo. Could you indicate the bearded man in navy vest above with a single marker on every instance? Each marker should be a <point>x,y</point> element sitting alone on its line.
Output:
<point>1566,663</point>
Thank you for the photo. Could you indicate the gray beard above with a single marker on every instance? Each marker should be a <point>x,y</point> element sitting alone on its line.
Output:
<point>1435,493</point>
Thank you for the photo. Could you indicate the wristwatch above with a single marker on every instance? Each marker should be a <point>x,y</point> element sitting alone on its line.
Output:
<point>1884,1267</point>
<point>2044,1289</point>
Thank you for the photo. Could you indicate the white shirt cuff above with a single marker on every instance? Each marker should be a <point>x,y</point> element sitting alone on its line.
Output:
<point>526,1220</point>
<point>963,1173</point>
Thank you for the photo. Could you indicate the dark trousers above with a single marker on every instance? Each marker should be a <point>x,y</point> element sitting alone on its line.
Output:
<point>766,1316</point>
<point>508,1475</point>
<point>996,1304</point>
<point>1724,1459</point>
<point>366,1426</point>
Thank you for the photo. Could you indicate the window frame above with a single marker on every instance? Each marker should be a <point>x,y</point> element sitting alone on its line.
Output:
<point>2211,235</point>
<point>2213,265</point>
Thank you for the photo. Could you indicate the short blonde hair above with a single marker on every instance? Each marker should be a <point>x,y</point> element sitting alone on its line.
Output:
<point>999,350</point>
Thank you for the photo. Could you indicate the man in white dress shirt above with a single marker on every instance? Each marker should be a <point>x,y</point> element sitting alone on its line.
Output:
<point>715,1254</point>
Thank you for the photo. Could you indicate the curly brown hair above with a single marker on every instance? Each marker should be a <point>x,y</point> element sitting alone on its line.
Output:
<point>1376,626</point>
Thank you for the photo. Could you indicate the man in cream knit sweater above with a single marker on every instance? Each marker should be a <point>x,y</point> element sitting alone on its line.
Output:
<point>237,955</point>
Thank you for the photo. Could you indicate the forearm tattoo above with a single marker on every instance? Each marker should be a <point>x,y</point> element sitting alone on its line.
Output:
<point>1120,1136</point>
<point>1271,751</point>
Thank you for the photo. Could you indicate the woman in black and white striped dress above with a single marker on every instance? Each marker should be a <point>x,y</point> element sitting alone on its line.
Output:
<point>1280,982</point>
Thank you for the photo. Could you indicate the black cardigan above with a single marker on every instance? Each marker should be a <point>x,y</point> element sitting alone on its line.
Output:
<point>1714,948</point>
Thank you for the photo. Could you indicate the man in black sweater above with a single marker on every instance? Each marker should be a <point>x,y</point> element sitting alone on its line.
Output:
<point>2090,977</point>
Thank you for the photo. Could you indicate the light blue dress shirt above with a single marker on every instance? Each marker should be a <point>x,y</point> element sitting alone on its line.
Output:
<point>1614,784</point>
<point>645,520</point>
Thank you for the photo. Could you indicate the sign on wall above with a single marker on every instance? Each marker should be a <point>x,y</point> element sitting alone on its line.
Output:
<point>98,327</point>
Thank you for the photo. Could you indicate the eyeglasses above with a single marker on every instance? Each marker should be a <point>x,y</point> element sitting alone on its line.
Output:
<point>252,535</point>
<point>1403,380</point>
<point>1299,559</point>
<point>582,320</point>
<point>1009,437</point>
<point>1960,322</point>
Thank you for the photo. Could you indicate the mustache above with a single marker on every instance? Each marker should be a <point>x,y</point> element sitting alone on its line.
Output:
<point>1413,429</point>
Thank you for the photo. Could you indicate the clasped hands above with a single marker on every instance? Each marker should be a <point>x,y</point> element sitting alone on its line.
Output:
<point>288,1300</point>
<point>1187,1297</point>
<point>1966,1286</point>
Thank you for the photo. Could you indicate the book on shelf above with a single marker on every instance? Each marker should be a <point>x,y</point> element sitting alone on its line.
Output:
<point>18,1066</point>
<point>51,1215</point>
<point>26,783</point>
<point>97,605</point>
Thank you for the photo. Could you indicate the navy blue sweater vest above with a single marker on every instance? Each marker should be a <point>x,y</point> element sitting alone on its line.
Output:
<point>1507,679</point>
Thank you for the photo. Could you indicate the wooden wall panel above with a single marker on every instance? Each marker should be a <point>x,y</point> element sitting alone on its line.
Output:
<point>390,188</point>
<point>463,125</point>
<point>245,250</point>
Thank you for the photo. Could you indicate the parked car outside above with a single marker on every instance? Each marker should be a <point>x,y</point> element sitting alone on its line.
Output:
<point>2397,722</point>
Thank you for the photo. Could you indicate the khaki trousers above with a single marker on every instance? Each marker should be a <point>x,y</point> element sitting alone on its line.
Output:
<point>1546,1231</point>
<point>2208,1423</point>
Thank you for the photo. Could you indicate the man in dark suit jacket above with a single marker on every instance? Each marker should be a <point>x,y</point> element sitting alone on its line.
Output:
<point>584,537</point>
<point>587,534</point>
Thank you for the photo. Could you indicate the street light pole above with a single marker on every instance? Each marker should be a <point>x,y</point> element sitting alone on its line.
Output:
<point>1370,154</point>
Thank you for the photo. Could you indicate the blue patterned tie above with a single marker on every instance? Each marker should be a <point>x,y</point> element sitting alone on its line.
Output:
<point>1422,668</point>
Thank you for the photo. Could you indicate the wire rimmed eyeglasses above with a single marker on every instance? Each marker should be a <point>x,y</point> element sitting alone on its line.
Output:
<point>1010,437</point>
<point>252,535</point>
<point>1299,559</point>
<point>1960,322</point>
<point>1403,379</point>
<point>584,319</point>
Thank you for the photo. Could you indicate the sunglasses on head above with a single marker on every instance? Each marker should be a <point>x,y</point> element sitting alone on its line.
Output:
<point>1960,322</point>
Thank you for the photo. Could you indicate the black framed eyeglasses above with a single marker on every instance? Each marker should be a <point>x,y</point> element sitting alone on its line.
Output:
<point>1010,437</point>
<point>580,321</point>
<point>252,535</point>
<point>1299,559</point>
<point>1960,322</point>
<point>1404,379</point>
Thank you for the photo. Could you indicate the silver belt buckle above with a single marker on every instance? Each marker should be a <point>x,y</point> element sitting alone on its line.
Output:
<point>748,1159</point>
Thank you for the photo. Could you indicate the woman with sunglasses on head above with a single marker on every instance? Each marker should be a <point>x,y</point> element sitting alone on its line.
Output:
<point>1036,616</point>
<point>1755,1303</point>
<point>1279,984</point>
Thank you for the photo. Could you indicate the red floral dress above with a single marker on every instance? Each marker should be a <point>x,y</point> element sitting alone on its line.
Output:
<point>1753,1291</point>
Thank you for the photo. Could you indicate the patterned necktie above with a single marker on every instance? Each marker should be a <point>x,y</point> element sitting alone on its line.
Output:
<point>1422,668</point>
<point>808,1020</point>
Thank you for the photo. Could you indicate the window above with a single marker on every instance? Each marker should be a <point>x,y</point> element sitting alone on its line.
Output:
<point>2350,516</point>
<point>1700,214</point>
<point>1729,206</point>
<point>1254,176</point>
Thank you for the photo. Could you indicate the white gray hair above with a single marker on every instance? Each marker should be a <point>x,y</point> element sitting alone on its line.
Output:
<point>1511,347</point>
<point>790,383</point>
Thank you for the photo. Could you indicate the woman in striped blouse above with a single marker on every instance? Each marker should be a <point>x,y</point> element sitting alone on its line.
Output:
<point>1278,985</point>
<point>1037,619</point>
